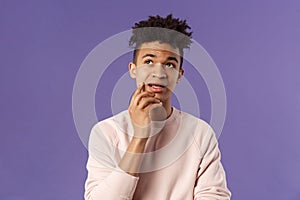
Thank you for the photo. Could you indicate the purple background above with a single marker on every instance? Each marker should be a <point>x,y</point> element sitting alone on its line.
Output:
<point>255,44</point>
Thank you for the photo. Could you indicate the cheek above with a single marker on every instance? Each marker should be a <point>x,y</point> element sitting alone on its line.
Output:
<point>172,79</point>
<point>142,73</point>
<point>173,76</point>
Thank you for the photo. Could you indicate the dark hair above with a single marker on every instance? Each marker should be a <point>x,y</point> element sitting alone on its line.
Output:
<point>168,30</point>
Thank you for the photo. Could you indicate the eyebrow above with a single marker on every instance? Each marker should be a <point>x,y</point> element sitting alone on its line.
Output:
<point>149,55</point>
<point>153,56</point>
<point>172,58</point>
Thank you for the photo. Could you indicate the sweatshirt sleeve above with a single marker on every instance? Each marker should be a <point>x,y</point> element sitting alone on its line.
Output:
<point>211,179</point>
<point>105,180</point>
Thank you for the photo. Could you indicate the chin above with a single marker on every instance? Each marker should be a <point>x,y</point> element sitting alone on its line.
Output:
<point>161,97</point>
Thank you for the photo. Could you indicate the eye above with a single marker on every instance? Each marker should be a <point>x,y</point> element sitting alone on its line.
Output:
<point>170,65</point>
<point>148,62</point>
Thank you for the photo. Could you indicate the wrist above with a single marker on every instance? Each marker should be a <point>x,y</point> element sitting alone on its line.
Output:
<point>137,145</point>
<point>139,141</point>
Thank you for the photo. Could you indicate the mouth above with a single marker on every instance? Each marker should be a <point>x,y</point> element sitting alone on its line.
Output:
<point>155,87</point>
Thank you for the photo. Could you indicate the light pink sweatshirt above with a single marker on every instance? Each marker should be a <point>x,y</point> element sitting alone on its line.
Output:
<point>182,162</point>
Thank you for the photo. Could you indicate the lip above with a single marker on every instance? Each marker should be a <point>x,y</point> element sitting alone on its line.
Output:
<point>156,87</point>
<point>157,84</point>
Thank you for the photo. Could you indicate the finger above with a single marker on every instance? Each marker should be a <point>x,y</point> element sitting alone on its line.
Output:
<point>141,88</point>
<point>137,91</point>
<point>144,86</point>
<point>142,95</point>
<point>145,102</point>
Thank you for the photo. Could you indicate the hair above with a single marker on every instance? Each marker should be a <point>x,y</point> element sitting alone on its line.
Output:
<point>170,30</point>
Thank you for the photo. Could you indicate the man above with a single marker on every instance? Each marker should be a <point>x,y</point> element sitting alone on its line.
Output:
<point>153,150</point>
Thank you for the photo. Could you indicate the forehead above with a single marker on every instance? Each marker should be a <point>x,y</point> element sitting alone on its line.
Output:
<point>158,48</point>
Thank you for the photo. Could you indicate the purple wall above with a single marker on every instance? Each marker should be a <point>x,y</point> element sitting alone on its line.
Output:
<point>255,44</point>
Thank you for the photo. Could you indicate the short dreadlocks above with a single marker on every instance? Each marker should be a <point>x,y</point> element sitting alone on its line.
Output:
<point>168,30</point>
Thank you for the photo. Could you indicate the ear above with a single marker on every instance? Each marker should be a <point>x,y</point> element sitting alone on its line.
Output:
<point>180,74</point>
<point>132,69</point>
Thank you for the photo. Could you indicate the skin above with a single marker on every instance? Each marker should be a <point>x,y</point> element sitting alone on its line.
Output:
<point>156,64</point>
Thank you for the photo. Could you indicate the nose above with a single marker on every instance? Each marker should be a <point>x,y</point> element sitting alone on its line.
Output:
<point>159,71</point>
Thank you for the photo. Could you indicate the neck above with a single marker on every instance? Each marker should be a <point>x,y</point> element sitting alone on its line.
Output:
<point>167,106</point>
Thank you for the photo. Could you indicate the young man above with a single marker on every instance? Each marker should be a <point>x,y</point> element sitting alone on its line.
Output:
<point>153,150</point>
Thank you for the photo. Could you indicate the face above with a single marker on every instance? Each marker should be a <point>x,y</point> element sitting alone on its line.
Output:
<point>158,66</point>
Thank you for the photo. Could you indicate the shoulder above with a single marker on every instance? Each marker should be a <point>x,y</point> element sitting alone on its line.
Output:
<point>119,120</point>
<point>191,120</point>
<point>109,127</point>
<point>203,134</point>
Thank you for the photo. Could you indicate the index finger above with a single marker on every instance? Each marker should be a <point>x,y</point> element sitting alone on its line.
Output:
<point>137,91</point>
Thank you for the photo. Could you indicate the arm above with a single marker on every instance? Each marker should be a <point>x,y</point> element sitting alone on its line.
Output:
<point>139,110</point>
<point>106,183</point>
<point>105,180</point>
<point>211,179</point>
<point>110,180</point>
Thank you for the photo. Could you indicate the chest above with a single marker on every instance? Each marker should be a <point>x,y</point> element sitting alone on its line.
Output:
<point>175,181</point>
